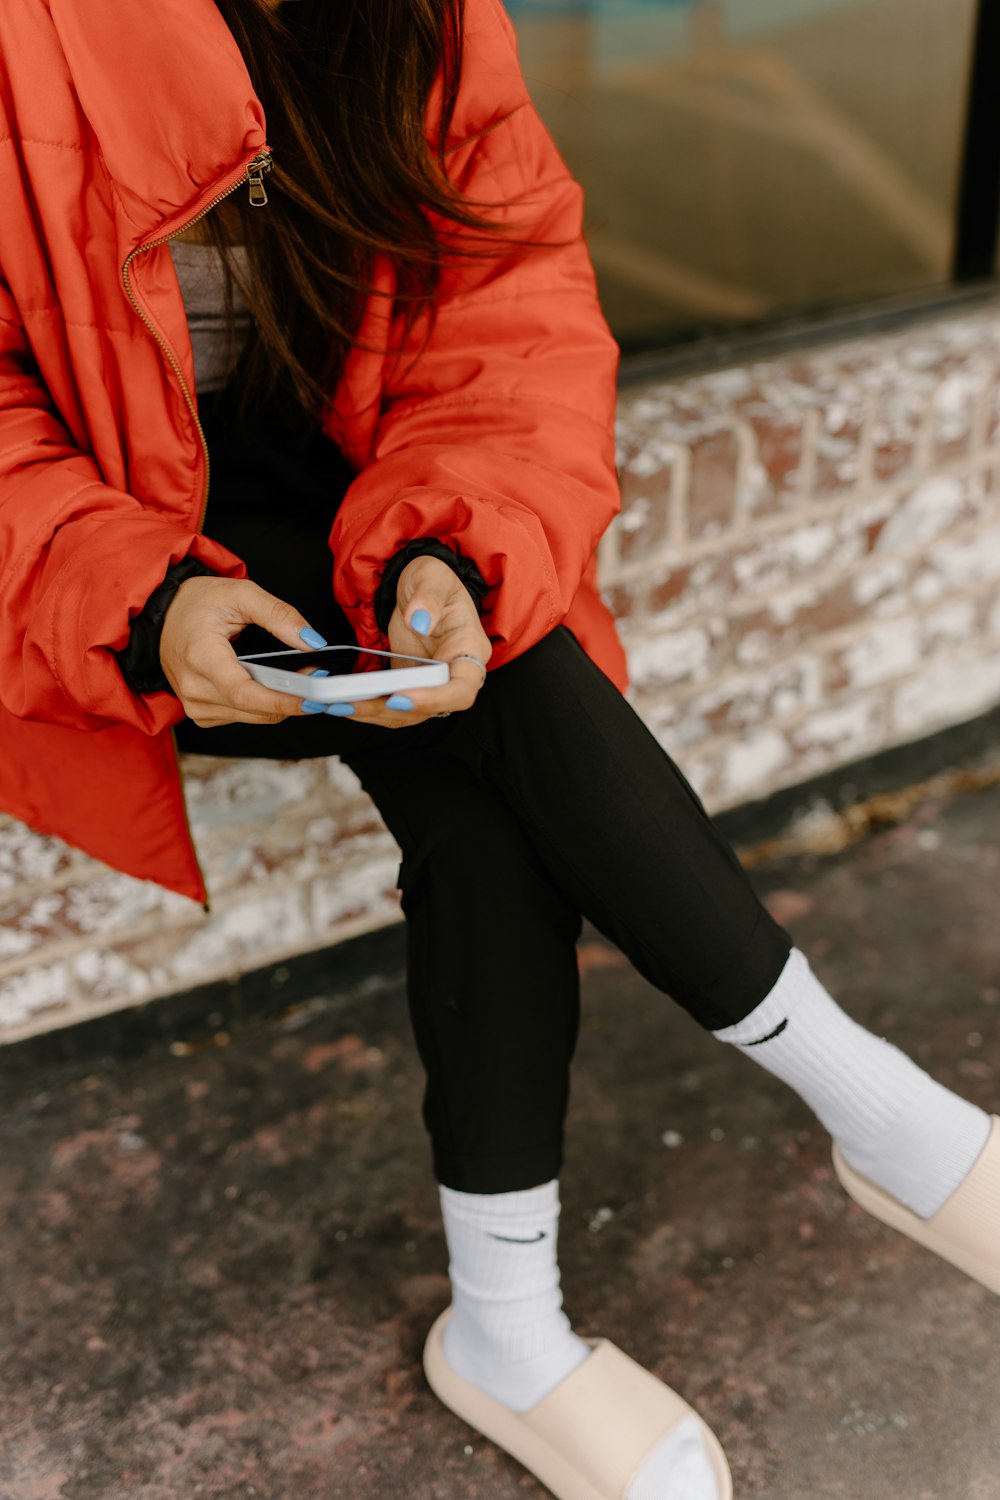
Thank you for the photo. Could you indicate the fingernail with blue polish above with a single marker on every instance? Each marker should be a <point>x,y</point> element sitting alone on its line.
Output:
<point>341,710</point>
<point>310,706</point>
<point>399,702</point>
<point>318,672</point>
<point>420,621</point>
<point>312,637</point>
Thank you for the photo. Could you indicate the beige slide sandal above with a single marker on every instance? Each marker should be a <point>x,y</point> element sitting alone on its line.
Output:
<point>588,1438</point>
<point>964,1231</point>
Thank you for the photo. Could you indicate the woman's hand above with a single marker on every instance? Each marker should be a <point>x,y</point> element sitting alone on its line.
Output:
<point>200,664</point>
<point>435,616</point>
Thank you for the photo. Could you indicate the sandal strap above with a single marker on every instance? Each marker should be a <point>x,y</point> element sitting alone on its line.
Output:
<point>972,1213</point>
<point>964,1229</point>
<point>610,1394</point>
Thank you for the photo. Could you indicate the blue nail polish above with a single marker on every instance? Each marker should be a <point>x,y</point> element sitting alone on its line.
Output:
<point>319,672</point>
<point>311,706</point>
<point>400,702</point>
<point>341,710</point>
<point>312,637</point>
<point>420,622</point>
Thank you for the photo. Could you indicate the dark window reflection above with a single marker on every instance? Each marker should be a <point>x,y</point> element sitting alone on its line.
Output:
<point>747,159</point>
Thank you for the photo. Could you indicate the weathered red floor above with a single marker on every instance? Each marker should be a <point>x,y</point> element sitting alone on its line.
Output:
<point>217,1268</point>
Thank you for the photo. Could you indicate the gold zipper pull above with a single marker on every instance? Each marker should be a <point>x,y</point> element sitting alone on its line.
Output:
<point>255,179</point>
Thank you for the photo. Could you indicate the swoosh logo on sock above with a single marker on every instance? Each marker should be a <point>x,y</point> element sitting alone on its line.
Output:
<point>512,1241</point>
<point>770,1035</point>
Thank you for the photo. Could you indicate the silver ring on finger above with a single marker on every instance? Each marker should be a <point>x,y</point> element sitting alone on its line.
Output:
<point>468,656</point>
<point>445,715</point>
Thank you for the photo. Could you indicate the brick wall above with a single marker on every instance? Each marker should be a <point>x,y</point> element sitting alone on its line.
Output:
<point>806,570</point>
<point>807,563</point>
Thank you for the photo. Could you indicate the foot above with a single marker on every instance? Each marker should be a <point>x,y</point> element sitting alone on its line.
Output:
<point>516,1381</point>
<point>678,1468</point>
<point>609,1428</point>
<point>965,1230</point>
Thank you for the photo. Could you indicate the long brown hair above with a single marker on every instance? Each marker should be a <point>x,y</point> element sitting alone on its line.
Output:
<point>345,86</point>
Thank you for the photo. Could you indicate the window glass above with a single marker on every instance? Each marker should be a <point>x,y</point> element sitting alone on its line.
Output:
<point>748,159</point>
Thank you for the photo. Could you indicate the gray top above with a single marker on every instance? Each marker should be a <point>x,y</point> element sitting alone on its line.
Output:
<point>202,280</point>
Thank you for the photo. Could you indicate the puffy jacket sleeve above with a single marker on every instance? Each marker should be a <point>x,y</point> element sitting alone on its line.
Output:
<point>78,559</point>
<point>497,436</point>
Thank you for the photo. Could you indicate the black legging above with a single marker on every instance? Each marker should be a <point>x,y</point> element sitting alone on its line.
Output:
<point>547,800</point>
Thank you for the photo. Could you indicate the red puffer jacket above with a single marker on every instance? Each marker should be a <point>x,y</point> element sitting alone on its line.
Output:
<point>119,124</point>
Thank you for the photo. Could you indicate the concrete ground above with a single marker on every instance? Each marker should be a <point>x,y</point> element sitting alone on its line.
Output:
<point>217,1265</point>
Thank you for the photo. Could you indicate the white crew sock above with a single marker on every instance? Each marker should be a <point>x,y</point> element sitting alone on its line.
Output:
<point>895,1125</point>
<point>508,1334</point>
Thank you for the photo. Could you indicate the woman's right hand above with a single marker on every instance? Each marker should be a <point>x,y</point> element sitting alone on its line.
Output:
<point>200,664</point>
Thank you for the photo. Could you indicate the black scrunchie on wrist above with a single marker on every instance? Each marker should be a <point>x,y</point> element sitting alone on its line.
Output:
<point>140,660</point>
<point>425,546</point>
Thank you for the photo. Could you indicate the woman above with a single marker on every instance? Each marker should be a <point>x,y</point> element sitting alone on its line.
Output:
<point>387,341</point>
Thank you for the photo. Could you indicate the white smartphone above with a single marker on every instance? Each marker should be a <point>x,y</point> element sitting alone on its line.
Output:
<point>355,675</point>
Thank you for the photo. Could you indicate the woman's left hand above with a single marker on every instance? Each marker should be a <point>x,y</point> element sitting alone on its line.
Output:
<point>435,616</point>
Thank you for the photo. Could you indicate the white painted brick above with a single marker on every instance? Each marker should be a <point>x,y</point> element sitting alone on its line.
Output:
<point>843,732</point>
<point>275,921</point>
<point>993,624</point>
<point>643,462</point>
<point>290,848</point>
<point>750,766</point>
<point>646,409</point>
<point>947,692</point>
<point>637,514</point>
<point>15,941</point>
<point>110,901</point>
<point>788,604</point>
<point>782,558</point>
<point>671,657</point>
<point>103,974</point>
<point>885,577</point>
<point>28,858</point>
<point>829,744</point>
<point>24,996</point>
<point>923,514</point>
<point>963,561</point>
<point>365,887</point>
<point>928,586</point>
<point>708,591</point>
<point>728,385</point>
<point>756,646</point>
<point>228,862</point>
<point>689,728</point>
<point>775,692</point>
<point>886,650</point>
<point>340,779</point>
<point>949,624</point>
<point>250,791</point>
<point>27,924</point>
<point>954,402</point>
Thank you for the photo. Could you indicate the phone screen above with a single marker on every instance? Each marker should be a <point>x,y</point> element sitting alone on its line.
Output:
<point>347,672</point>
<point>339,661</point>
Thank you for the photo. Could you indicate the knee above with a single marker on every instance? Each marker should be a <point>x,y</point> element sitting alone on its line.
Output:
<point>477,864</point>
<point>466,844</point>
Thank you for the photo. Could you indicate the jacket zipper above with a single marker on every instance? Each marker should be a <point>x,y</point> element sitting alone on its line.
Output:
<point>253,176</point>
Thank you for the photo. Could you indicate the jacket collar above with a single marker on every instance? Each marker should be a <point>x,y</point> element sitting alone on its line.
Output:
<point>166,92</point>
